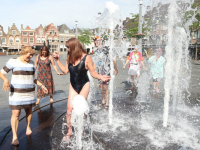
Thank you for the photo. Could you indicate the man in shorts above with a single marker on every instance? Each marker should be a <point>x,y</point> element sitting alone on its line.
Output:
<point>102,66</point>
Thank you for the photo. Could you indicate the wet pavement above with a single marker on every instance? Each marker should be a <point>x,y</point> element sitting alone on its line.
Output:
<point>136,125</point>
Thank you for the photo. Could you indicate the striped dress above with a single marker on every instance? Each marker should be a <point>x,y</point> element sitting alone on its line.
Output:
<point>22,87</point>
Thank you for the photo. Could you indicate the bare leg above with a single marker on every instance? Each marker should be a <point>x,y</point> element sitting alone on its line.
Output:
<point>28,120</point>
<point>137,79</point>
<point>105,87</point>
<point>51,98</point>
<point>103,94</point>
<point>157,84</point>
<point>14,125</point>
<point>72,93</point>
<point>154,85</point>
<point>38,101</point>
<point>132,78</point>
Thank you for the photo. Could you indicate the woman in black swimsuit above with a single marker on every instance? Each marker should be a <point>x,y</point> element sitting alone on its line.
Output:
<point>78,63</point>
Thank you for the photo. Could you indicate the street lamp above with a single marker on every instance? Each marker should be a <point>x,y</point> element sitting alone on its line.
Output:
<point>99,14</point>
<point>76,22</point>
<point>140,26</point>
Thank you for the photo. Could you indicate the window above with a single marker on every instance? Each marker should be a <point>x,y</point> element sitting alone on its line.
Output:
<point>17,40</point>
<point>0,33</point>
<point>50,39</point>
<point>62,39</point>
<point>52,32</point>
<point>43,39</point>
<point>31,40</point>
<point>13,32</point>
<point>38,40</point>
<point>66,31</point>
<point>41,32</point>
<point>25,40</point>
<point>3,40</point>
<point>198,34</point>
<point>55,40</point>
<point>31,34</point>
<point>67,38</point>
<point>54,48</point>
<point>195,35</point>
<point>24,33</point>
<point>11,40</point>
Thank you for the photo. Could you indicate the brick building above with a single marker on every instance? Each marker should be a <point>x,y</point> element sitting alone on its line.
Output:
<point>3,40</point>
<point>52,35</point>
<point>40,37</point>
<point>14,39</point>
<point>27,36</point>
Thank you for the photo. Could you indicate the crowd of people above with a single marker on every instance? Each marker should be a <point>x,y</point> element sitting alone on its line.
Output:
<point>22,86</point>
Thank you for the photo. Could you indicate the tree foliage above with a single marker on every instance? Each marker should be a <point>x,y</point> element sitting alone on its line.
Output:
<point>85,36</point>
<point>130,33</point>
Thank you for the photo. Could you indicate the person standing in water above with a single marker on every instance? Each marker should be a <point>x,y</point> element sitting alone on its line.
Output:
<point>157,62</point>
<point>44,75</point>
<point>22,88</point>
<point>102,66</point>
<point>135,60</point>
<point>77,64</point>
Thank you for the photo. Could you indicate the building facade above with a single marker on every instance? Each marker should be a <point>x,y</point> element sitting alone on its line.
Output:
<point>14,39</point>
<point>3,40</point>
<point>52,35</point>
<point>27,36</point>
<point>40,37</point>
<point>64,34</point>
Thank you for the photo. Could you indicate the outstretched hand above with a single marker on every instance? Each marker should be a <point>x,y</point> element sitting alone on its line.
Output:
<point>123,67</point>
<point>6,85</point>
<point>56,56</point>
<point>105,78</point>
<point>60,74</point>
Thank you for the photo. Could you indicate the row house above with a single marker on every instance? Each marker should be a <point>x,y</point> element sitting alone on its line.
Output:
<point>40,37</point>
<point>52,37</point>
<point>13,38</point>
<point>65,34</point>
<point>27,36</point>
<point>3,39</point>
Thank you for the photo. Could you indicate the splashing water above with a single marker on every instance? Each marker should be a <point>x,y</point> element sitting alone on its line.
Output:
<point>113,38</point>
<point>80,108</point>
<point>177,69</point>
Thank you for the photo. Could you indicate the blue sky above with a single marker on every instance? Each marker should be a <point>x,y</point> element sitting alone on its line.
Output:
<point>36,12</point>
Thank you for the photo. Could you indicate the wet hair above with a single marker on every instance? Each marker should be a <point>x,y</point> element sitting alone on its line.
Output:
<point>44,48</point>
<point>76,50</point>
<point>27,49</point>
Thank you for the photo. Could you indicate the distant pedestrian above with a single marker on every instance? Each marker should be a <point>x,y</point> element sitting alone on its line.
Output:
<point>157,63</point>
<point>44,75</point>
<point>22,88</point>
<point>135,60</point>
<point>102,66</point>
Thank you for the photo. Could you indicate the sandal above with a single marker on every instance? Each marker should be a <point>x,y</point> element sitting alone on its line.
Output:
<point>102,104</point>
<point>106,106</point>
<point>15,142</point>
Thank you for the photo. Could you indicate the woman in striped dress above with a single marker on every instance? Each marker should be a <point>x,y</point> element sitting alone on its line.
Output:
<point>22,88</point>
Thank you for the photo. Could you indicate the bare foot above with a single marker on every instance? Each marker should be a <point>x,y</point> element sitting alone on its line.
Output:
<point>66,137</point>
<point>51,100</point>
<point>15,142</point>
<point>28,131</point>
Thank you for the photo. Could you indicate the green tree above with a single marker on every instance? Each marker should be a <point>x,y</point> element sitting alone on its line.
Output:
<point>85,37</point>
<point>133,29</point>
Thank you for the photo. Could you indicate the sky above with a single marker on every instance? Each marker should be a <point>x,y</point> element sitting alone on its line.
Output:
<point>36,12</point>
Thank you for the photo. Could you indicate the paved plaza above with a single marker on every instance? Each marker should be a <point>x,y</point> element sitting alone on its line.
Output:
<point>126,131</point>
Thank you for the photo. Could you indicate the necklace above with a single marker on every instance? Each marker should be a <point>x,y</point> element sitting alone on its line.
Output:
<point>23,60</point>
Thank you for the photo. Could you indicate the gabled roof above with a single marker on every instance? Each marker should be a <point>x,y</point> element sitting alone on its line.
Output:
<point>64,27</point>
<point>28,28</point>
<point>47,27</point>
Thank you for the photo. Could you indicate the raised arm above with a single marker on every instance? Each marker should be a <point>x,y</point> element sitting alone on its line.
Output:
<point>36,62</point>
<point>63,68</point>
<point>94,74</point>
<point>54,65</point>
